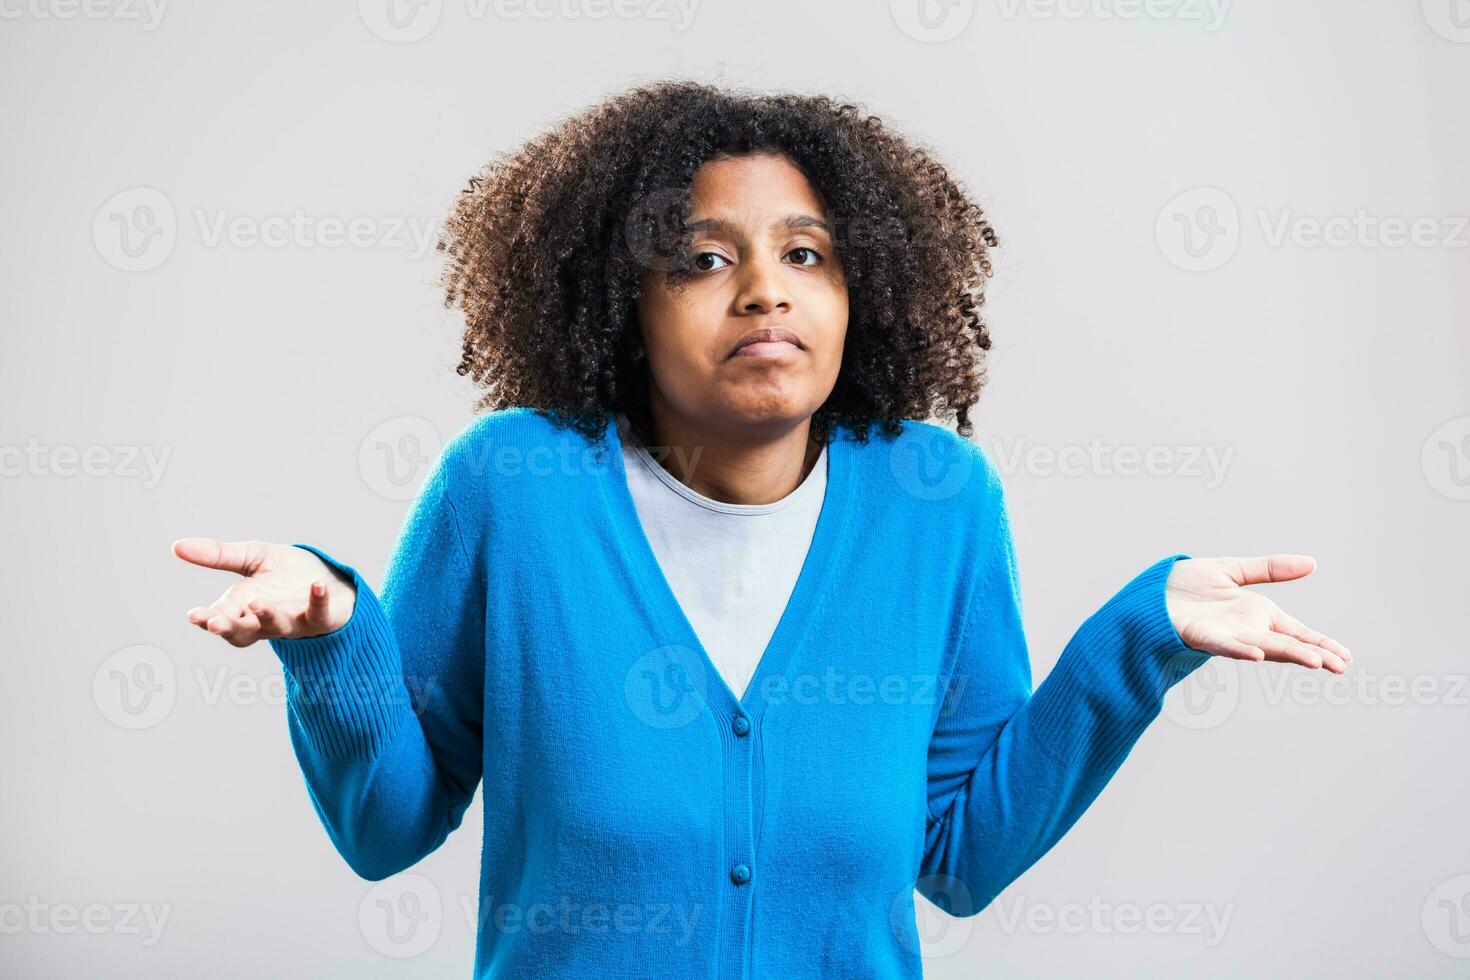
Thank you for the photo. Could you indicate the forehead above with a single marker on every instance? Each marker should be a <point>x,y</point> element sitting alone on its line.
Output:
<point>752,189</point>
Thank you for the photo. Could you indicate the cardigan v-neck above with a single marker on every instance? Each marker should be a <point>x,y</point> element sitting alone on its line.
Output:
<point>639,820</point>
<point>791,625</point>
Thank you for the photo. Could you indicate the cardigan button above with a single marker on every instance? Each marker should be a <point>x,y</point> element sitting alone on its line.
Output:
<point>741,725</point>
<point>740,874</point>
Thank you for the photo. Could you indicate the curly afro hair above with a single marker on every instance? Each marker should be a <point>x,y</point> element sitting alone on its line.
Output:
<point>547,248</point>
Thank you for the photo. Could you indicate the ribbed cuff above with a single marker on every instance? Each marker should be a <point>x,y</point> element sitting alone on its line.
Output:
<point>345,688</point>
<point>1116,670</point>
<point>1155,658</point>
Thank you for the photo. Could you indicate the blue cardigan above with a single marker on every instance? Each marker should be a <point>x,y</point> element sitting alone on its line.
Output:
<point>640,820</point>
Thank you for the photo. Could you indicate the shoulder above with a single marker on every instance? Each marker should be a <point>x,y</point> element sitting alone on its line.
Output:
<point>500,450</point>
<point>929,466</point>
<point>511,435</point>
<point>519,426</point>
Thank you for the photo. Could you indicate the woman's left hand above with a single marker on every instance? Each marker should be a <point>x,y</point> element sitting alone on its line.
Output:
<point>1214,613</point>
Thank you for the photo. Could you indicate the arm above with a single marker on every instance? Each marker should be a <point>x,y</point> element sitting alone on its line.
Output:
<point>1010,771</point>
<point>385,712</point>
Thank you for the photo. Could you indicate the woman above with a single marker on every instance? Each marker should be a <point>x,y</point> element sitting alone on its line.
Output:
<point>733,639</point>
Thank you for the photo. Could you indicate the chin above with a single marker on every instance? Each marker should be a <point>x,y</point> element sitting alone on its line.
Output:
<point>770,411</point>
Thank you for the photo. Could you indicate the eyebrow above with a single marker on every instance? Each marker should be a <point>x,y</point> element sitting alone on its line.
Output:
<point>791,223</point>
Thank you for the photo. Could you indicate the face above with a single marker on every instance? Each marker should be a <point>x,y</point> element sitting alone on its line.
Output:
<point>751,343</point>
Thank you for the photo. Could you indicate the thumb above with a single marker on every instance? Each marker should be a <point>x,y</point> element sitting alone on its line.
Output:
<point>231,556</point>
<point>1271,568</point>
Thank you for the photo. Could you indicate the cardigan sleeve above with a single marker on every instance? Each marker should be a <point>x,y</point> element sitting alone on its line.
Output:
<point>385,712</point>
<point>1010,771</point>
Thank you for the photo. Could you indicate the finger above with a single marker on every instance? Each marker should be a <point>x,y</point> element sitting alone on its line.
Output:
<point>316,606</point>
<point>1208,639</point>
<point>217,618</point>
<point>1235,650</point>
<point>1327,656</point>
<point>228,604</point>
<point>1284,622</point>
<point>1270,568</point>
<point>218,623</point>
<point>1328,659</point>
<point>246,629</point>
<point>272,622</point>
<point>230,556</point>
<point>1286,649</point>
<point>235,624</point>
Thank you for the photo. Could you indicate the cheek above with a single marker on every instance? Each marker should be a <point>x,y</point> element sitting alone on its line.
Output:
<point>835,337</point>
<point>668,327</point>
<point>678,348</point>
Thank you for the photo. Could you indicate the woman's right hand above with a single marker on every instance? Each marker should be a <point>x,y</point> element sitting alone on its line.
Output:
<point>285,592</point>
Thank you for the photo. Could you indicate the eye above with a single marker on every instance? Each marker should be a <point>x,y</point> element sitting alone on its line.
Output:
<point>816,256</point>
<point>701,256</point>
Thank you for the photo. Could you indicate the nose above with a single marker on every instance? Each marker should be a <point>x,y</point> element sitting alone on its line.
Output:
<point>762,286</point>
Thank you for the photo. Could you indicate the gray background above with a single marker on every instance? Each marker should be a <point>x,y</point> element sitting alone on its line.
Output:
<point>1138,169</point>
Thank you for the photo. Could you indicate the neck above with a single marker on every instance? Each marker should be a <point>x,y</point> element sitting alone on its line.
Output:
<point>734,464</point>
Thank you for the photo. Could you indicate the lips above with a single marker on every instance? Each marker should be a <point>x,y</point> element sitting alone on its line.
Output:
<point>767,342</point>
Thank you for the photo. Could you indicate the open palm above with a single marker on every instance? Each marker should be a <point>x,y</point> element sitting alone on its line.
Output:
<point>284,591</point>
<point>1214,612</point>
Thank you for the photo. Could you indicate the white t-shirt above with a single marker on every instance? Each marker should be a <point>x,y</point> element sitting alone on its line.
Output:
<point>731,566</point>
